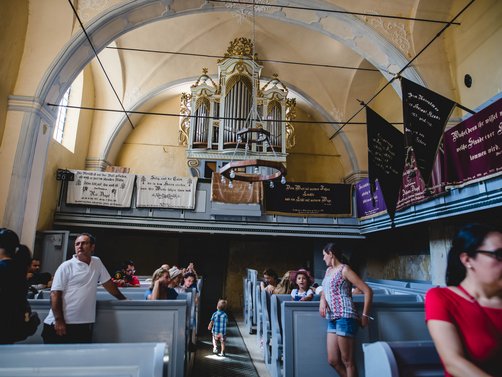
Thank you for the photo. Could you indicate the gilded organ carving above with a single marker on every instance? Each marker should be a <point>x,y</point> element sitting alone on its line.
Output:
<point>212,114</point>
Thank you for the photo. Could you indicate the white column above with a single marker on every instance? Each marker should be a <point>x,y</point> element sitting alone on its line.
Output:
<point>25,191</point>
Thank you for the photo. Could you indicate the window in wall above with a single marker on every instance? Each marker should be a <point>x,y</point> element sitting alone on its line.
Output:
<point>65,129</point>
<point>61,119</point>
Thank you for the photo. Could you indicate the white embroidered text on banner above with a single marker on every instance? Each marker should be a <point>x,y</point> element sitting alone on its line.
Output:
<point>165,192</point>
<point>97,188</point>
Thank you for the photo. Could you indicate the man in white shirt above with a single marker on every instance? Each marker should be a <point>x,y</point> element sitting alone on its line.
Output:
<point>73,295</point>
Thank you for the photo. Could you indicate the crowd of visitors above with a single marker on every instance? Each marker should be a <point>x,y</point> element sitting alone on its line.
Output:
<point>464,318</point>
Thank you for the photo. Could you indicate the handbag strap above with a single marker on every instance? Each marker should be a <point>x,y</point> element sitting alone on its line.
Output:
<point>477,304</point>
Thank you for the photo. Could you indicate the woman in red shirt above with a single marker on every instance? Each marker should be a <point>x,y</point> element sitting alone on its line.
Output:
<point>465,318</point>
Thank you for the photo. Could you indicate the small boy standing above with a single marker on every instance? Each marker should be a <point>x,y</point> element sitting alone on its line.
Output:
<point>218,326</point>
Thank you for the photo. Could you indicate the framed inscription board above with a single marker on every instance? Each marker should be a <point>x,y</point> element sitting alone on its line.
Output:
<point>309,199</point>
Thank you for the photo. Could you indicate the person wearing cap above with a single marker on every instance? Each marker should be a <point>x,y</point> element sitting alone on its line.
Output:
<point>302,282</point>
<point>176,276</point>
<point>338,308</point>
<point>160,288</point>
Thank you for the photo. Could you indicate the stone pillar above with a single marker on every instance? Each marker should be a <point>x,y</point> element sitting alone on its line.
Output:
<point>28,166</point>
<point>440,236</point>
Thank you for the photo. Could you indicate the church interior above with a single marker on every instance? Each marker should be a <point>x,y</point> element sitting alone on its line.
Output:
<point>162,88</point>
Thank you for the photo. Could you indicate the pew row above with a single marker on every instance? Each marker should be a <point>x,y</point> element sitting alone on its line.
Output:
<point>135,321</point>
<point>250,311</point>
<point>406,358</point>
<point>139,294</point>
<point>96,360</point>
<point>297,348</point>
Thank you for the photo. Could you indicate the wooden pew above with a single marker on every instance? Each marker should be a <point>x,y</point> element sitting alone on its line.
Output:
<point>141,321</point>
<point>406,358</point>
<point>250,315</point>
<point>93,360</point>
<point>139,294</point>
<point>397,290</point>
<point>276,335</point>
<point>275,365</point>
<point>136,321</point>
<point>264,319</point>
<point>304,347</point>
<point>389,282</point>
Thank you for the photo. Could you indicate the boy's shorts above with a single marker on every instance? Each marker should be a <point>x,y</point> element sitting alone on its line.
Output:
<point>219,336</point>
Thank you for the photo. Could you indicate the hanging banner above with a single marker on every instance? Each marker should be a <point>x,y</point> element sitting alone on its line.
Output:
<point>386,156</point>
<point>425,114</point>
<point>155,191</point>
<point>241,192</point>
<point>309,199</point>
<point>413,189</point>
<point>97,188</point>
<point>369,204</point>
<point>473,148</point>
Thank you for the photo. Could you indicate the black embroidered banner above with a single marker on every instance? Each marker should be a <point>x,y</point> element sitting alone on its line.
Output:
<point>386,156</point>
<point>425,114</point>
<point>309,199</point>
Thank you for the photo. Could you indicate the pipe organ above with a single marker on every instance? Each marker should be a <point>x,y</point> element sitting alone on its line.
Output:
<point>213,113</point>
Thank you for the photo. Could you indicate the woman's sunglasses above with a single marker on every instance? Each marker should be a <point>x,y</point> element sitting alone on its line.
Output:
<point>497,254</point>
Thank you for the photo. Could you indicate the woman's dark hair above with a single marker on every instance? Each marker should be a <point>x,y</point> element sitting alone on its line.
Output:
<point>189,274</point>
<point>467,240</point>
<point>271,273</point>
<point>333,249</point>
<point>23,257</point>
<point>9,241</point>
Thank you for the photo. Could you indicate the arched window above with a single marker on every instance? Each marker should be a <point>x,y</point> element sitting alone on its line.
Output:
<point>65,129</point>
<point>61,119</point>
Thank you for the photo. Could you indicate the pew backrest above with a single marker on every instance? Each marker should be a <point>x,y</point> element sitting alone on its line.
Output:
<point>259,313</point>
<point>304,346</point>
<point>394,283</point>
<point>145,321</point>
<point>253,278</point>
<point>405,358</point>
<point>44,360</point>
<point>390,298</point>
<point>135,295</point>
<point>135,321</point>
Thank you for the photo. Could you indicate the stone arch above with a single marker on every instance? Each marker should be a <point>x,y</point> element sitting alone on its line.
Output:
<point>33,144</point>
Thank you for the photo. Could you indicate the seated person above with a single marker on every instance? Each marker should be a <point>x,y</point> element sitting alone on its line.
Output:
<point>176,276</point>
<point>302,282</point>
<point>160,289</point>
<point>125,276</point>
<point>285,286</point>
<point>37,279</point>
<point>270,280</point>
<point>190,268</point>
<point>189,282</point>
